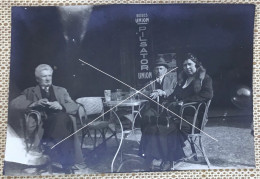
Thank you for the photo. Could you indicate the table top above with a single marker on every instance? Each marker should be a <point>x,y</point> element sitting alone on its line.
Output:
<point>125,103</point>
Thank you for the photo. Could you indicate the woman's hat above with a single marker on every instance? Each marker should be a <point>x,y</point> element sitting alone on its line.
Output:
<point>161,62</point>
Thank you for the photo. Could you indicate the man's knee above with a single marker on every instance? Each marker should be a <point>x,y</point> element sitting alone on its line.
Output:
<point>60,120</point>
<point>61,116</point>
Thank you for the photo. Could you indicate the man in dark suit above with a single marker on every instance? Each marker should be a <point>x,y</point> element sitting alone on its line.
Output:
<point>55,105</point>
<point>159,91</point>
<point>164,85</point>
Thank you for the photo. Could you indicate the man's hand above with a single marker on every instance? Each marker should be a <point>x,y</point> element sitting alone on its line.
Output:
<point>154,95</point>
<point>42,102</point>
<point>157,93</point>
<point>55,105</point>
<point>180,103</point>
<point>161,92</point>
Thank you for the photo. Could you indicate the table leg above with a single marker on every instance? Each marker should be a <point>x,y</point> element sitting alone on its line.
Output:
<point>121,141</point>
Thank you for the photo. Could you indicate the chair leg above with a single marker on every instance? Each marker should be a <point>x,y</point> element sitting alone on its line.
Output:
<point>49,166</point>
<point>84,133</point>
<point>95,139</point>
<point>121,152</point>
<point>49,169</point>
<point>82,139</point>
<point>173,163</point>
<point>203,152</point>
<point>193,148</point>
<point>103,133</point>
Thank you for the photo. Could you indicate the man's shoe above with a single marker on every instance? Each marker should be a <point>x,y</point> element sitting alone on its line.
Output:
<point>79,166</point>
<point>36,158</point>
<point>166,165</point>
<point>148,164</point>
<point>68,170</point>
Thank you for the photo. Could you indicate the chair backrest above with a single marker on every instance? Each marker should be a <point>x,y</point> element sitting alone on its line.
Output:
<point>92,105</point>
<point>197,106</point>
<point>30,126</point>
<point>205,115</point>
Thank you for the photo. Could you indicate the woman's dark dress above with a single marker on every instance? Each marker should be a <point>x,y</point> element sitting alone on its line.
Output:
<point>162,141</point>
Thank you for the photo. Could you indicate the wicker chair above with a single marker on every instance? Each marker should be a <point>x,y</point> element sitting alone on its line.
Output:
<point>91,109</point>
<point>195,133</point>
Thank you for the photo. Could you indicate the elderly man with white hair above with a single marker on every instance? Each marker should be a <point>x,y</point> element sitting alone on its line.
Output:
<point>55,105</point>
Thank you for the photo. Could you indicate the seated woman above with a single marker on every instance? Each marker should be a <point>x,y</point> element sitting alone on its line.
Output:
<point>165,140</point>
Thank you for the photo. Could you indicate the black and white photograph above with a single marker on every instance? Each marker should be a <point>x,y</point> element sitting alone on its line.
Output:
<point>130,88</point>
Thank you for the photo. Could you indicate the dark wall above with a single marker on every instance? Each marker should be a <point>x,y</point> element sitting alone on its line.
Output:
<point>221,36</point>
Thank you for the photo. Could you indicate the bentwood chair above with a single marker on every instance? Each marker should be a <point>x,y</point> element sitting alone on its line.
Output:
<point>91,115</point>
<point>31,124</point>
<point>200,111</point>
<point>32,130</point>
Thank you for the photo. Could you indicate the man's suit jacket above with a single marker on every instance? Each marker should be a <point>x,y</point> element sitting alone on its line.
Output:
<point>33,94</point>
<point>168,86</point>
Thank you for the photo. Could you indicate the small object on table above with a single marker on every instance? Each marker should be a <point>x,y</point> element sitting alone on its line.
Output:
<point>107,94</point>
<point>131,92</point>
<point>118,94</point>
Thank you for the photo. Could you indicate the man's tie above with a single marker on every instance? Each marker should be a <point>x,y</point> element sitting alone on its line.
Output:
<point>159,80</point>
<point>46,89</point>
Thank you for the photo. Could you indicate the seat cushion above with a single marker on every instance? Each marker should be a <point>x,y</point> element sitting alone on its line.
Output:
<point>99,125</point>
